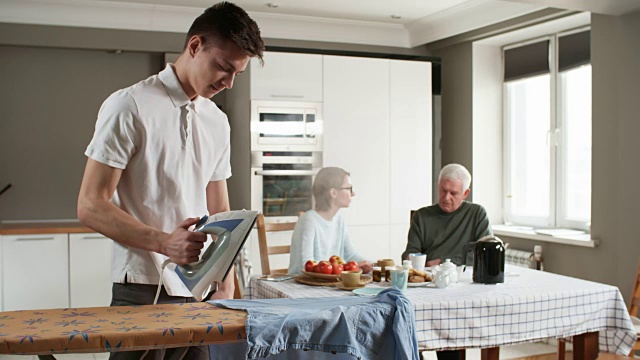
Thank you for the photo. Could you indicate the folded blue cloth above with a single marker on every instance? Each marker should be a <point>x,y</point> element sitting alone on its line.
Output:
<point>380,327</point>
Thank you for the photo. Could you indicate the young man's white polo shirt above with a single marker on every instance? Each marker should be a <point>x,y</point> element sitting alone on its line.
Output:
<point>169,148</point>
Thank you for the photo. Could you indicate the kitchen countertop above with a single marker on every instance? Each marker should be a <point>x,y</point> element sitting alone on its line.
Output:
<point>45,227</point>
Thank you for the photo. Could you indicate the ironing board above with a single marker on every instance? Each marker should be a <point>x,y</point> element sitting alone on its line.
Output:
<point>122,328</point>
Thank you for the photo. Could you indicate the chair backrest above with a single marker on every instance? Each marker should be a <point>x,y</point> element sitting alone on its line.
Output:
<point>635,295</point>
<point>237,293</point>
<point>265,249</point>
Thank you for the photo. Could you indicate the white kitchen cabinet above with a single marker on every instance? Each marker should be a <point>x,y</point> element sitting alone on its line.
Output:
<point>35,271</point>
<point>356,132</point>
<point>377,126</point>
<point>371,241</point>
<point>410,136</point>
<point>398,234</point>
<point>90,270</point>
<point>287,77</point>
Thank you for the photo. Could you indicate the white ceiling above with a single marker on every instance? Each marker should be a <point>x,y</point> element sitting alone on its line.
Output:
<point>363,10</point>
<point>366,22</point>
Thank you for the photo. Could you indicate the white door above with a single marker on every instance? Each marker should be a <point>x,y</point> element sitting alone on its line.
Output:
<point>90,270</point>
<point>36,271</point>
<point>356,128</point>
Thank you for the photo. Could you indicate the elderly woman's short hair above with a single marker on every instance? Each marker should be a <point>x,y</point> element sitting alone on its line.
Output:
<point>326,179</point>
<point>456,172</point>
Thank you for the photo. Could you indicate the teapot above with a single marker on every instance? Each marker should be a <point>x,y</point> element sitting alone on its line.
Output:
<point>488,263</point>
<point>445,274</point>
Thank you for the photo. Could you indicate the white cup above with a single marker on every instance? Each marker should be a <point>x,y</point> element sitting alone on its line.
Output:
<point>418,261</point>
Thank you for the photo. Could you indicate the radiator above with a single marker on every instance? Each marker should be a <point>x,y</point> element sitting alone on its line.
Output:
<point>527,259</point>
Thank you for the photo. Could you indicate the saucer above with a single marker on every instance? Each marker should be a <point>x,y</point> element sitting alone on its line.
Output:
<point>370,291</point>
<point>342,287</point>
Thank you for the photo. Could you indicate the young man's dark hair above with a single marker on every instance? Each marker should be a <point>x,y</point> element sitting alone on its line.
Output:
<point>226,21</point>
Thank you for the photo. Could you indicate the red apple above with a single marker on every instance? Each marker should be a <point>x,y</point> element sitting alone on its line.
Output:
<point>337,269</point>
<point>308,266</point>
<point>335,259</point>
<point>351,266</point>
<point>324,267</point>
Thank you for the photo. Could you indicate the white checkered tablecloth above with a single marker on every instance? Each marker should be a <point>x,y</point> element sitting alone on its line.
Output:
<point>530,305</point>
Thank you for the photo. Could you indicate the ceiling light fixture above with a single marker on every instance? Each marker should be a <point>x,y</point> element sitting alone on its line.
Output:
<point>396,17</point>
<point>272,5</point>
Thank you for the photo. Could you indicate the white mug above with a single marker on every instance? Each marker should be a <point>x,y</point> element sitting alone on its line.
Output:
<point>418,261</point>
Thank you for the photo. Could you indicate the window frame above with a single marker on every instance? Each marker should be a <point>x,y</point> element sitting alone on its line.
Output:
<point>557,151</point>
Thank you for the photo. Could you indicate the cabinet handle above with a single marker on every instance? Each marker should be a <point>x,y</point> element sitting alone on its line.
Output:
<point>288,96</point>
<point>36,238</point>
<point>93,237</point>
<point>285,172</point>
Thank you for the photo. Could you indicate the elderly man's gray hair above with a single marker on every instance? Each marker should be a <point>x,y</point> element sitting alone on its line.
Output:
<point>456,172</point>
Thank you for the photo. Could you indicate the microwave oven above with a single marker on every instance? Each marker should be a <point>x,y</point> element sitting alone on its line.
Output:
<point>286,126</point>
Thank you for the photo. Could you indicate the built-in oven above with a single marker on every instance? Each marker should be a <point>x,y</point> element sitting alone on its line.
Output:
<point>281,182</point>
<point>286,126</point>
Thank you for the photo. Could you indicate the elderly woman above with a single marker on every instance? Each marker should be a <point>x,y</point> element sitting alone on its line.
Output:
<point>322,232</point>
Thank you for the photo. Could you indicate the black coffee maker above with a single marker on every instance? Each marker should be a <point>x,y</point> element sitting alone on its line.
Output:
<point>488,263</point>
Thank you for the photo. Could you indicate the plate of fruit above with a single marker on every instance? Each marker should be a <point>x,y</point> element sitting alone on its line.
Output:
<point>329,269</point>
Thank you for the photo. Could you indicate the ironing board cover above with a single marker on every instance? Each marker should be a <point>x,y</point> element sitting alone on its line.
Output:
<point>122,328</point>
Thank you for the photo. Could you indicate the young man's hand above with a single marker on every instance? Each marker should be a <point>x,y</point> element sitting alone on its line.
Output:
<point>183,246</point>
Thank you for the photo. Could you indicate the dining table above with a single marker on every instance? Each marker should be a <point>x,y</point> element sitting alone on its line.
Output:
<point>529,306</point>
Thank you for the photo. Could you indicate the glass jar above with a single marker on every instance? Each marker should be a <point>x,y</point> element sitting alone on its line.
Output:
<point>377,274</point>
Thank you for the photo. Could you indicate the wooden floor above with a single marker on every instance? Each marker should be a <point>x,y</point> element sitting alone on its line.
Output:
<point>569,356</point>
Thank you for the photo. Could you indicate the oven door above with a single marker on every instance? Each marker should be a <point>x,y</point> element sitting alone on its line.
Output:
<point>281,185</point>
<point>286,126</point>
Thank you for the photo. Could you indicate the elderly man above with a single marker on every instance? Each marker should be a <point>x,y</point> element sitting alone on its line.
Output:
<point>441,230</point>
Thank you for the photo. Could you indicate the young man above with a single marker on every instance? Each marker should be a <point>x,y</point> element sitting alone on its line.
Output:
<point>159,159</point>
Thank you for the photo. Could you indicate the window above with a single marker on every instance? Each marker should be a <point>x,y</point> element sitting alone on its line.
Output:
<point>547,108</point>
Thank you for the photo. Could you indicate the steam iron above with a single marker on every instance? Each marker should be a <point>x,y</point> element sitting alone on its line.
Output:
<point>232,229</point>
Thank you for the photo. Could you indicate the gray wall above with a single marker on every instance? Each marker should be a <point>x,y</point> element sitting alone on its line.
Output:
<point>615,55</point>
<point>49,103</point>
<point>457,105</point>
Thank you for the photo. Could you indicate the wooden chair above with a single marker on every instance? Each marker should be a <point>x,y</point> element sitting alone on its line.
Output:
<point>634,304</point>
<point>265,249</point>
<point>237,294</point>
<point>279,204</point>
